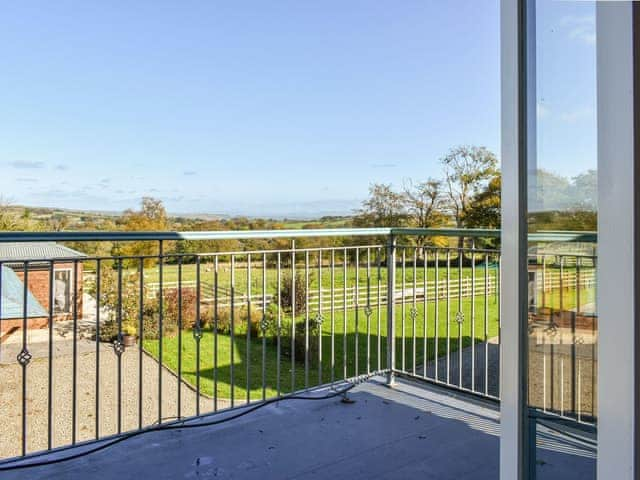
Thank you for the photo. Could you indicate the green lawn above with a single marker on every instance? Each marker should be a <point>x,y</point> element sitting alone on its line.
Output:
<point>323,371</point>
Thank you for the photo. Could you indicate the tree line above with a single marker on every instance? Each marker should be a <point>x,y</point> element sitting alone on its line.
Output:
<point>466,195</point>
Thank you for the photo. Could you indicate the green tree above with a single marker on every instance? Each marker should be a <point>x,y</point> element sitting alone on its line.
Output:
<point>467,170</point>
<point>383,208</point>
<point>484,209</point>
<point>9,221</point>
<point>423,204</point>
<point>151,217</point>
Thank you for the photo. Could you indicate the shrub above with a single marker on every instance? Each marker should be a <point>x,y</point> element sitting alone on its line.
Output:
<point>108,331</point>
<point>171,306</point>
<point>299,343</point>
<point>206,317</point>
<point>151,326</point>
<point>240,315</point>
<point>271,322</point>
<point>286,293</point>
<point>129,329</point>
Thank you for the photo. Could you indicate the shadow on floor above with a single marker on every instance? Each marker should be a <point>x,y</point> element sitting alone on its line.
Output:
<point>410,431</point>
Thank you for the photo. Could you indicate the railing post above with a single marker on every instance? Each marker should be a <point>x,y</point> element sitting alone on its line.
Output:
<point>391,323</point>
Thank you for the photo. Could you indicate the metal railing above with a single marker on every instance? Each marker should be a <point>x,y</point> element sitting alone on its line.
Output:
<point>148,339</point>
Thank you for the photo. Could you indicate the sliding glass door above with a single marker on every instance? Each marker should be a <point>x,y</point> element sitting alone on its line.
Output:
<point>562,258</point>
<point>570,240</point>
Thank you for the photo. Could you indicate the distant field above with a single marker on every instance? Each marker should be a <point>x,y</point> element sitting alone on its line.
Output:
<point>365,275</point>
<point>299,224</point>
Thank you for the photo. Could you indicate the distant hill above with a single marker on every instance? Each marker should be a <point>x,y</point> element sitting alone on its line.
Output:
<point>74,218</point>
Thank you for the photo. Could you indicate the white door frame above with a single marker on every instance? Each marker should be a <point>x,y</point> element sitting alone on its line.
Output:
<point>617,240</point>
<point>513,425</point>
<point>618,297</point>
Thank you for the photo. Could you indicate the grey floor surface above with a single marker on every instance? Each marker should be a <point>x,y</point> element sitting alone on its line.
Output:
<point>408,432</point>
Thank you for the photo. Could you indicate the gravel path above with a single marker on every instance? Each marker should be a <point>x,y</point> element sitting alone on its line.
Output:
<point>37,395</point>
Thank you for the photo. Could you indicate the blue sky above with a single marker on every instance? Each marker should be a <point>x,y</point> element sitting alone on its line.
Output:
<point>566,86</point>
<point>259,108</point>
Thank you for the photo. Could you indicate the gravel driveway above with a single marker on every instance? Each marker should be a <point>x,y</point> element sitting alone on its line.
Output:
<point>61,428</point>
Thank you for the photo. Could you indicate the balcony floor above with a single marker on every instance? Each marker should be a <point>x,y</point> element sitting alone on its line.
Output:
<point>410,431</point>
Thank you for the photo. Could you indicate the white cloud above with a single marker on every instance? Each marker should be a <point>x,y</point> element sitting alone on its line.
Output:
<point>574,116</point>
<point>581,28</point>
<point>26,164</point>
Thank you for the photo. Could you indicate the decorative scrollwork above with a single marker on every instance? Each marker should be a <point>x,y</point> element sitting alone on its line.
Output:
<point>197,332</point>
<point>118,345</point>
<point>460,318</point>
<point>368,311</point>
<point>319,318</point>
<point>264,324</point>
<point>413,313</point>
<point>24,357</point>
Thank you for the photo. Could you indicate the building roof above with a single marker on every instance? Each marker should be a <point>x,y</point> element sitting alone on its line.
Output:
<point>12,301</point>
<point>20,251</point>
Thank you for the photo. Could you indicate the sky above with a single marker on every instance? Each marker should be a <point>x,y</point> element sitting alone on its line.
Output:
<point>285,108</point>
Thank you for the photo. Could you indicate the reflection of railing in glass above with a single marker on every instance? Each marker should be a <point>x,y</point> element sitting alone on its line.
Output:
<point>563,329</point>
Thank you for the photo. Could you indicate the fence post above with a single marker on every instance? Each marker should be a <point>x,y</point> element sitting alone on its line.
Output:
<point>391,323</point>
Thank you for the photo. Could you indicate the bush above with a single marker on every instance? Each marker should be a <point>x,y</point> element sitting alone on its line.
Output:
<point>151,326</point>
<point>206,317</point>
<point>286,293</point>
<point>108,331</point>
<point>240,315</point>
<point>129,329</point>
<point>271,322</point>
<point>299,344</point>
<point>171,306</point>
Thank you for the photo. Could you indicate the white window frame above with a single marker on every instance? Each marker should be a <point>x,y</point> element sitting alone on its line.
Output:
<point>71,282</point>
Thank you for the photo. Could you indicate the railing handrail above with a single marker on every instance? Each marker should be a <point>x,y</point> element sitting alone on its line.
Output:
<point>238,234</point>
<point>21,236</point>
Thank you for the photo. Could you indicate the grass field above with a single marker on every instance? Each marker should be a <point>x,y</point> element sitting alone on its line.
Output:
<point>359,359</point>
<point>352,334</point>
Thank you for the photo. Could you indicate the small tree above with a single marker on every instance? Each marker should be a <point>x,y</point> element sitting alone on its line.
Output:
<point>383,208</point>
<point>423,203</point>
<point>152,216</point>
<point>287,294</point>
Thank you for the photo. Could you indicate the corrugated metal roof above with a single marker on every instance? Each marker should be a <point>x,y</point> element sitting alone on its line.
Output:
<point>13,251</point>
<point>12,301</point>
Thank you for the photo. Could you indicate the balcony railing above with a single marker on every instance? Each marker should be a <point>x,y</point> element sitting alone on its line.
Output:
<point>154,339</point>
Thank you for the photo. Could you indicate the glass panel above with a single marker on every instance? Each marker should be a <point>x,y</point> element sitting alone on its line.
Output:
<point>562,258</point>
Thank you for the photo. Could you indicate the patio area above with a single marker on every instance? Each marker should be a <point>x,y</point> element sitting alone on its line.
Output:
<point>413,430</point>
